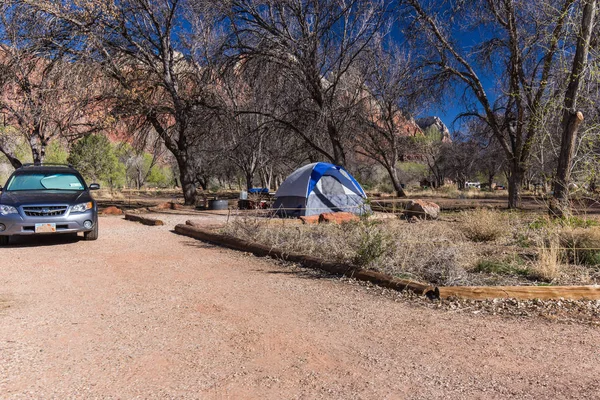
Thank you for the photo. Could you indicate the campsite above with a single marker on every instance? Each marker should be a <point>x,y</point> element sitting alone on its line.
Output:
<point>299,199</point>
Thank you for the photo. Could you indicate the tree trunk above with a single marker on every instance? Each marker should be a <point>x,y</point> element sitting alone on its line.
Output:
<point>38,144</point>
<point>515,181</point>
<point>339,155</point>
<point>396,181</point>
<point>439,181</point>
<point>571,118</point>
<point>268,177</point>
<point>560,206</point>
<point>249,180</point>
<point>491,181</point>
<point>186,176</point>
<point>203,182</point>
<point>15,162</point>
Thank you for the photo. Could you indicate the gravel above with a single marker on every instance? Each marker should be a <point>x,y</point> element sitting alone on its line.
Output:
<point>145,313</point>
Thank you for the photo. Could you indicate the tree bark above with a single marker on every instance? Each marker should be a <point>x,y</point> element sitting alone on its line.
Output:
<point>188,182</point>
<point>396,182</point>
<point>339,155</point>
<point>560,206</point>
<point>203,182</point>
<point>571,117</point>
<point>515,181</point>
<point>249,180</point>
<point>15,162</point>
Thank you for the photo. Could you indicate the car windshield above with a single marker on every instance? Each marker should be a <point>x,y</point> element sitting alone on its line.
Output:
<point>48,181</point>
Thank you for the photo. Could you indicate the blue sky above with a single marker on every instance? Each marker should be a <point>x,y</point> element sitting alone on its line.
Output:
<point>453,103</point>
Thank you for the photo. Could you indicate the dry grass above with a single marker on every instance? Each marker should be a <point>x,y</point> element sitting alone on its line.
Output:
<point>548,266</point>
<point>581,245</point>
<point>481,247</point>
<point>484,225</point>
<point>422,251</point>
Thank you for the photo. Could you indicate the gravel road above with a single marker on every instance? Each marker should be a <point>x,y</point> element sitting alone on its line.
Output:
<point>145,313</point>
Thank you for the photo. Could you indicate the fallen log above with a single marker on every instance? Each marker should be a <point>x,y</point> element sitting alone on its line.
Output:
<point>387,281</point>
<point>143,220</point>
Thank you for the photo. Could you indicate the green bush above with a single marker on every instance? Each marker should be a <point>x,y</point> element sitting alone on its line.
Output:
<point>95,158</point>
<point>373,244</point>
<point>160,176</point>
<point>56,153</point>
<point>502,267</point>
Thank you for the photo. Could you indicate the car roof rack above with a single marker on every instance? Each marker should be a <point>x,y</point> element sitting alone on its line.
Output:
<point>37,164</point>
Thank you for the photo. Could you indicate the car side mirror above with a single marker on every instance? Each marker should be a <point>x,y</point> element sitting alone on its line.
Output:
<point>94,186</point>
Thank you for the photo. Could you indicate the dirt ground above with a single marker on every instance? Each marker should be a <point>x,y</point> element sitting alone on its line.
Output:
<point>145,313</point>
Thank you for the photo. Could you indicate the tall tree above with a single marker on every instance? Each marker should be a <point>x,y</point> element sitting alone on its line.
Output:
<point>158,56</point>
<point>315,45</point>
<point>572,118</point>
<point>44,92</point>
<point>507,74</point>
<point>385,131</point>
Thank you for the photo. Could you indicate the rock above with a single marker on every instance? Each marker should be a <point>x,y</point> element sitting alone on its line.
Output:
<point>338,217</point>
<point>436,124</point>
<point>112,210</point>
<point>311,219</point>
<point>422,209</point>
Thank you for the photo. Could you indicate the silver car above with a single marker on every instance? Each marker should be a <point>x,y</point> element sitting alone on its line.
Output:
<point>47,199</point>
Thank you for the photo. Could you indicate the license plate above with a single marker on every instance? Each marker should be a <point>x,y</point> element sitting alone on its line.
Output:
<point>45,228</point>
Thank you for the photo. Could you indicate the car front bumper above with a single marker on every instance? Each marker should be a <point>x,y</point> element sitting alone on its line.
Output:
<point>16,224</point>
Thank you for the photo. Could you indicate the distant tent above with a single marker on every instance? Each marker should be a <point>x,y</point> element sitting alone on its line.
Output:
<point>318,188</point>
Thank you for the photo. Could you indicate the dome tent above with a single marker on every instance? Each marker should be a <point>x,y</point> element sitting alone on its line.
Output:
<point>318,188</point>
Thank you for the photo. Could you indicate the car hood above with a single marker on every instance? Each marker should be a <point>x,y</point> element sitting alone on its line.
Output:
<point>19,198</point>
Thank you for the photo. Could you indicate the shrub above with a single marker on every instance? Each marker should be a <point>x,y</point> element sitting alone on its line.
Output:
<point>507,266</point>
<point>442,267</point>
<point>372,244</point>
<point>484,225</point>
<point>95,158</point>
<point>581,246</point>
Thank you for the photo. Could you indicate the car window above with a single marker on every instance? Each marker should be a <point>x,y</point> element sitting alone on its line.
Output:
<point>37,181</point>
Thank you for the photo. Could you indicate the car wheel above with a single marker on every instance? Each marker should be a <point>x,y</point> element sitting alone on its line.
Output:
<point>4,240</point>
<point>93,234</point>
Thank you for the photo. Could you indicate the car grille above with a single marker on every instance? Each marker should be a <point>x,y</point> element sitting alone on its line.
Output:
<point>44,211</point>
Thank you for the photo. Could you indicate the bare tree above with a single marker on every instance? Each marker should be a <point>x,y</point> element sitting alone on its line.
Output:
<point>521,46</point>
<point>385,132</point>
<point>315,45</point>
<point>460,158</point>
<point>44,93</point>
<point>247,135</point>
<point>159,58</point>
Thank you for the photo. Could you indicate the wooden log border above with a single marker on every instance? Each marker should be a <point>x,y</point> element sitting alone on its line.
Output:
<point>467,292</point>
<point>191,230</point>
<point>143,220</point>
<point>522,292</point>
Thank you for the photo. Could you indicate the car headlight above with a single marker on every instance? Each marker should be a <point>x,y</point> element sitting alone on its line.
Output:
<point>82,207</point>
<point>5,210</point>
